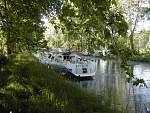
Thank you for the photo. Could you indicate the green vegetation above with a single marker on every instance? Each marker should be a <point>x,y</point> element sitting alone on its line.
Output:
<point>89,24</point>
<point>79,25</point>
<point>141,58</point>
<point>28,86</point>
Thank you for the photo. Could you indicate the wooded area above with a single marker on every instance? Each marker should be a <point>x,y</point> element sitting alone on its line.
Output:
<point>73,24</point>
<point>87,24</point>
<point>79,25</point>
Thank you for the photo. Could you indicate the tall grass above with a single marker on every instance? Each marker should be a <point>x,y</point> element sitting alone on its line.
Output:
<point>31,87</point>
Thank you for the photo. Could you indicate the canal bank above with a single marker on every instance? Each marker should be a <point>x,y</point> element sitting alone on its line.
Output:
<point>28,86</point>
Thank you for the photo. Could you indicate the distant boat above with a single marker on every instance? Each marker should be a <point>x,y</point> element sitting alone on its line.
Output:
<point>59,49</point>
<point>68,61</point>
<point>85,53</point>
<point>107,52</point>
<point>98,53</point>
<point>103,52</point>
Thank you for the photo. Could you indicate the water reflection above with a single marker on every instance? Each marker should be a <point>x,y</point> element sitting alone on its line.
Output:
<point>111,86</point>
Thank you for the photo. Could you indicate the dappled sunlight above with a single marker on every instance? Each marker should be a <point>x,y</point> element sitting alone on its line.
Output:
<point>16,86</point>
<point>50,98</point>
<point>58,102</point>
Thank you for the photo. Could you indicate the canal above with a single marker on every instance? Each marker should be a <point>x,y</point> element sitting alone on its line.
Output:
<point>111,86</point>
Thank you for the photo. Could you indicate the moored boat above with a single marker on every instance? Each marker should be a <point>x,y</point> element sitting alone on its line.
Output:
<point>85,53</point>
<point>68,61</point>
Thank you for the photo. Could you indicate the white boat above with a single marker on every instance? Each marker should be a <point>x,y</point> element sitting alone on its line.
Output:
<point>97,53</point>
<point>72,62</point>
<point>85,53</point>
<point>103,52</point>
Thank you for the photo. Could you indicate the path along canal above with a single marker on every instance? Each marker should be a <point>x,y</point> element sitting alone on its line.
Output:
<point>110,84</point>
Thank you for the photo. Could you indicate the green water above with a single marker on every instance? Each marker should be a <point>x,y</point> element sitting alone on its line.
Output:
<point>110,85</point>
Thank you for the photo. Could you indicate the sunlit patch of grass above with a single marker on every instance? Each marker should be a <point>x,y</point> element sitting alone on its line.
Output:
<point>16,86</point>
<point>57,101</point>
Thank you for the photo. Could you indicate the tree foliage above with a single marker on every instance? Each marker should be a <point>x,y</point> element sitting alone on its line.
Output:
<point>142,41</point>
<point>93,24</point>
<point>21,25</point>
<point>91,20</point>
<point>134,11</point>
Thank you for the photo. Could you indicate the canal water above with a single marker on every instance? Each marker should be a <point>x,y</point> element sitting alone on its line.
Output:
<point>111,86</point>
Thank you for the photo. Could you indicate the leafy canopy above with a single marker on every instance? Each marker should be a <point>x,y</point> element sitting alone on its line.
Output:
<point>21,25</point>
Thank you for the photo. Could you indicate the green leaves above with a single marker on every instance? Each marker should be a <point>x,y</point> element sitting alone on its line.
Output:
<point>21,24</point>
<point>91,18</point>
<point>140,82</point>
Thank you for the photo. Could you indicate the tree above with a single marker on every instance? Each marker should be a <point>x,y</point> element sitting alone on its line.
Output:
<point>94,21</point>
<point>134,11</point>
<point>102,24</point>
<point>142,41</point>
<point>21,25</point>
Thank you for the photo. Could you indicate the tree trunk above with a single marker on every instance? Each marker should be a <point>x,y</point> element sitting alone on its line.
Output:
<point>134,27</point>
<point>132,34</point>
<point>8,44</point>
<point>81,43</point>
<point>131,42</point>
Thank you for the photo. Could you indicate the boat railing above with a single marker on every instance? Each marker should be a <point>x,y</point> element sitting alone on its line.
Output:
<point>72,61</point>
<point>80,65</point>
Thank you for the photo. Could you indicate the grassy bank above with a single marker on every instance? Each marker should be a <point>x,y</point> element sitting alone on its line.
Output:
<point>26,86</point>
<point>141,58</point>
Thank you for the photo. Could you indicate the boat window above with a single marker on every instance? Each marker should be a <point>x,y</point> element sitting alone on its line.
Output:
<point>66,57</point>
<point>59,56</point>
<point>71,57</point>
<point>49,55</point>
<point>52,57</point>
